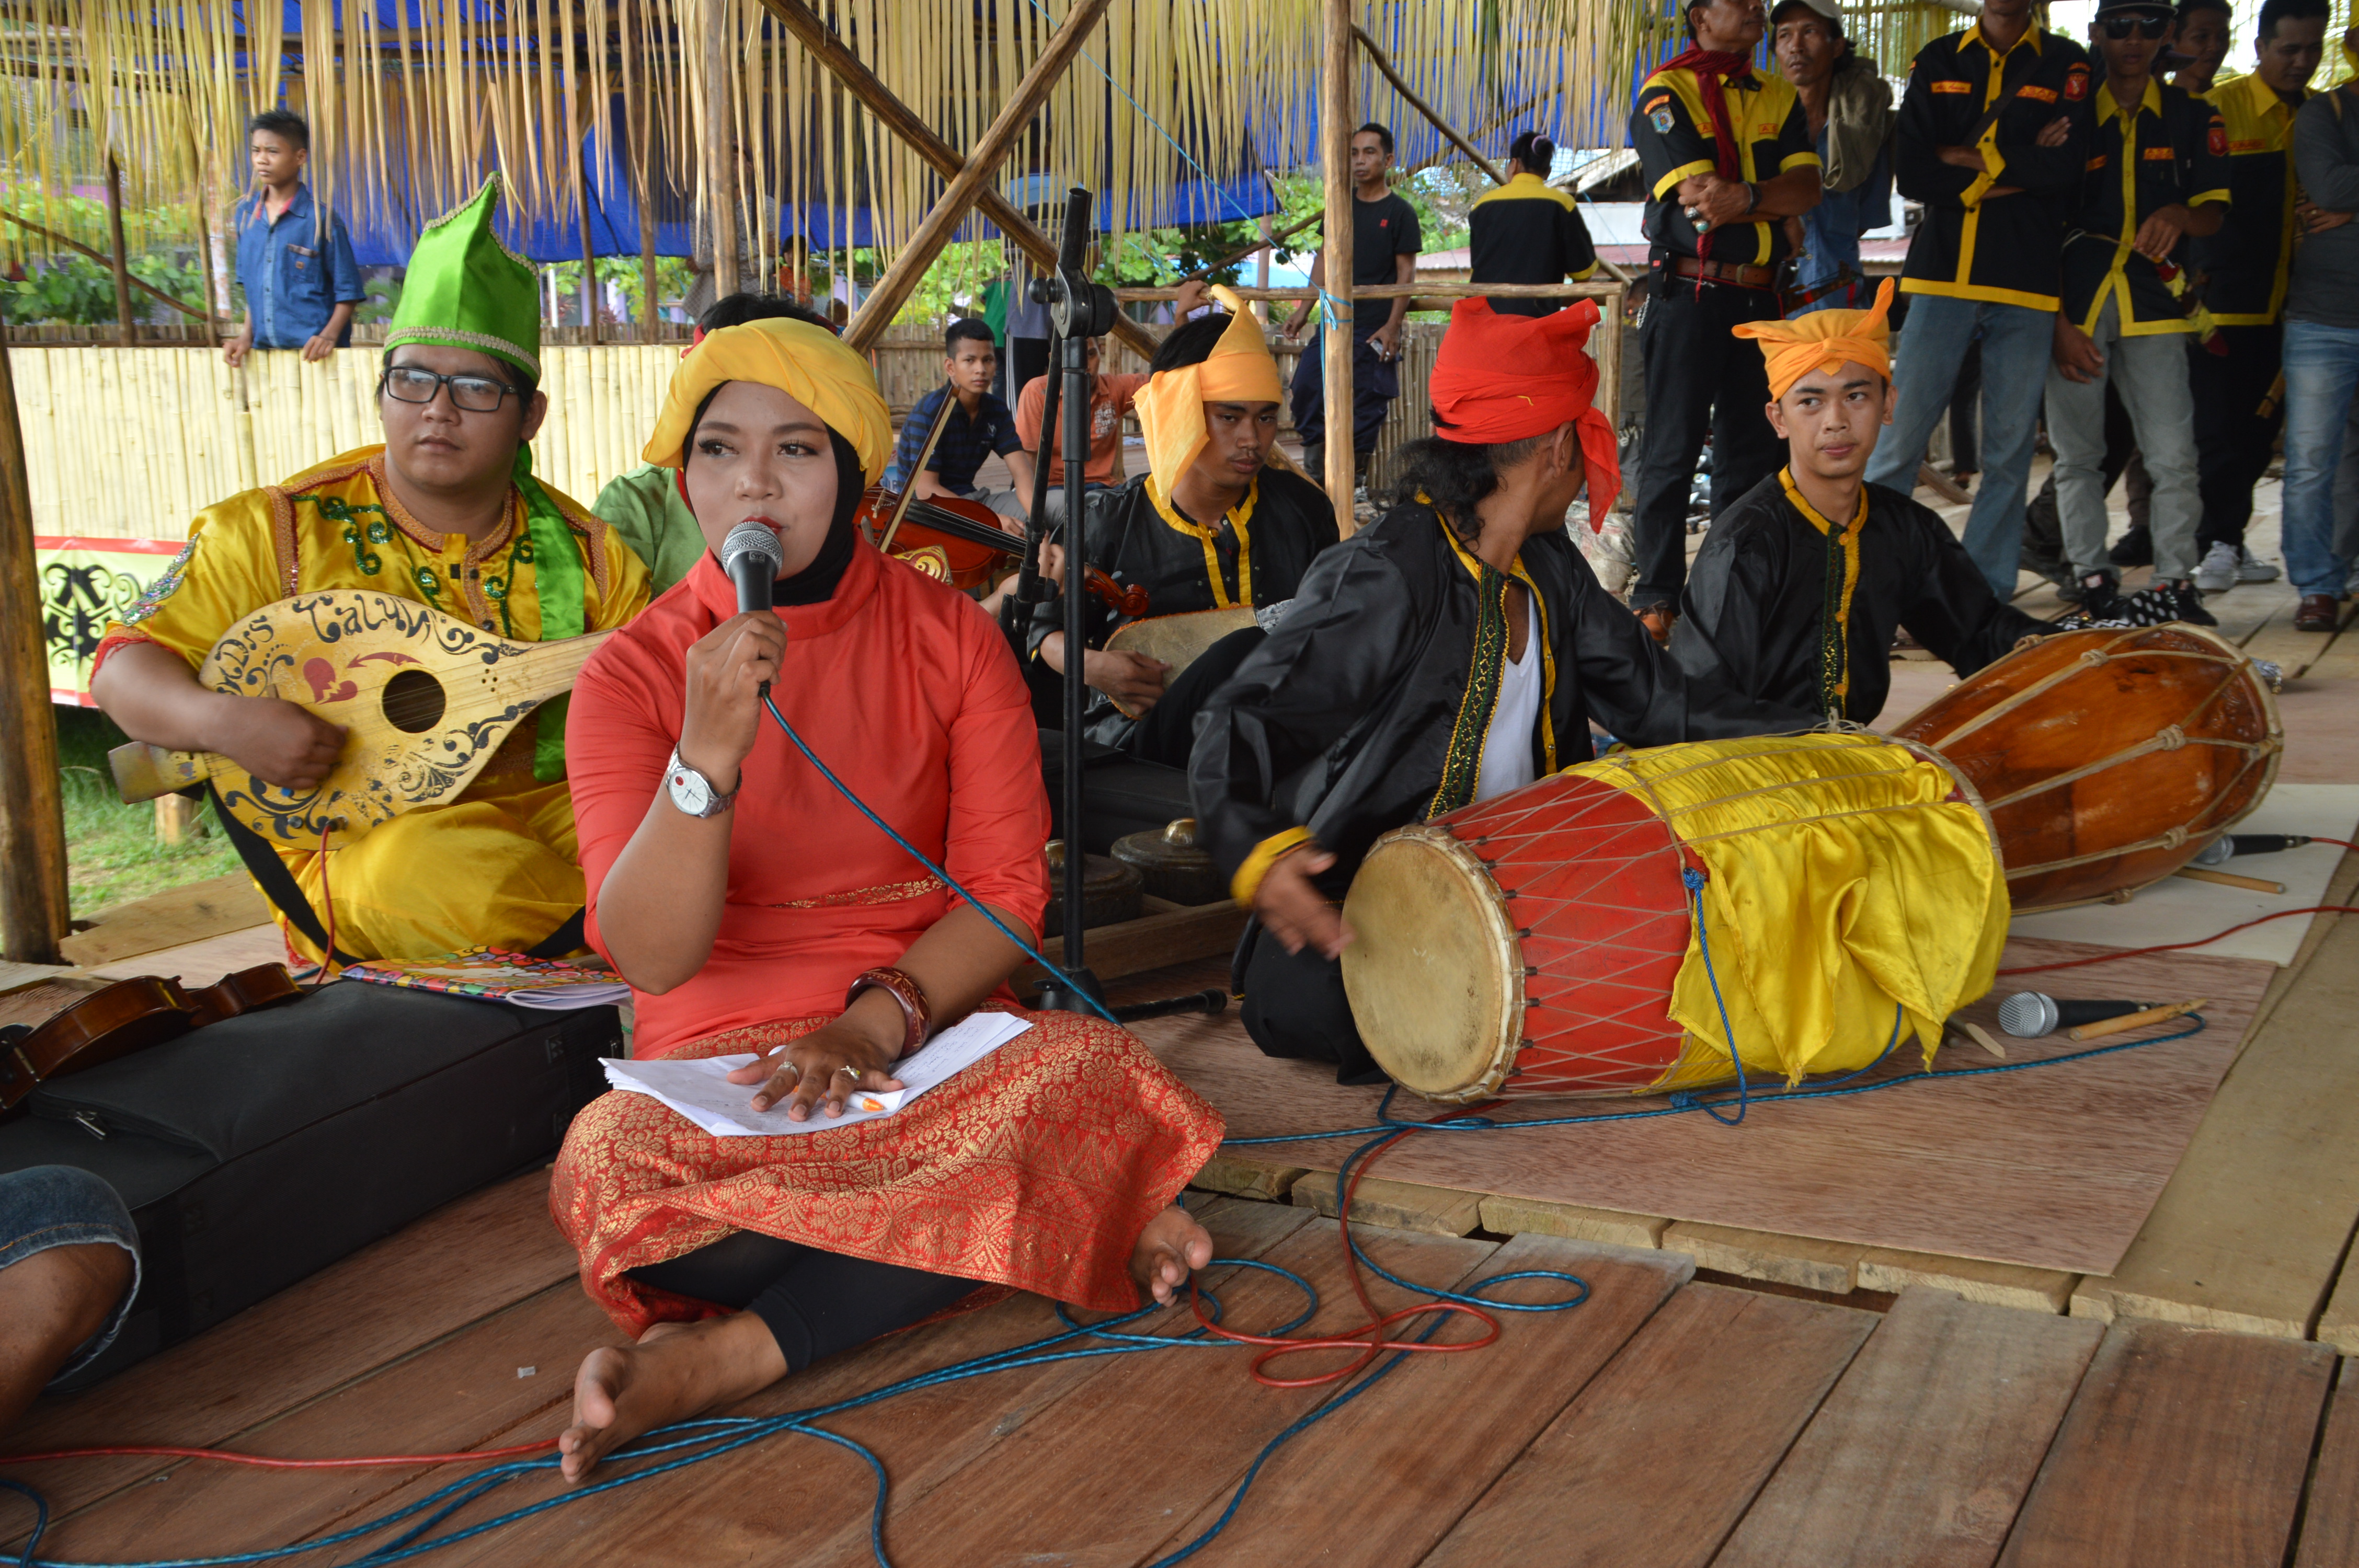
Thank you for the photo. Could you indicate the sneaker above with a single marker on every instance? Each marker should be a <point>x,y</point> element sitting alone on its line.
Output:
<point>2135,549</point>
<point>2219,572</point>
<point>2167,602</point>
<point>2100,604</point>
<point>2250,568</point>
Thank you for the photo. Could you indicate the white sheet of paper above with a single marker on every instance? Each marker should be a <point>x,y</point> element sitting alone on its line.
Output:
<point>700,1089</point>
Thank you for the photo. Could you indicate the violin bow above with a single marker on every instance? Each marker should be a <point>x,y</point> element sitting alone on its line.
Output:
<point>909,485</point>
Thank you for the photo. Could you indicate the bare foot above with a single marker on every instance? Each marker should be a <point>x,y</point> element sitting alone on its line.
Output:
<point>675,1371</point>
<point>1172,1247</point>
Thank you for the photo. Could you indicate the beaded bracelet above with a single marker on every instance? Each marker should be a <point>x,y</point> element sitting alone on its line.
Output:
<point>905,990</point>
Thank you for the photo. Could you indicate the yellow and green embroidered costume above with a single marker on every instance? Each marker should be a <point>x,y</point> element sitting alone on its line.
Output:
<point>496,866</point>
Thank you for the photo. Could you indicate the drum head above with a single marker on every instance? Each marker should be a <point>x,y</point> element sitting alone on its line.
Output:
<point>1178,640</point>
<point>1434,971</point>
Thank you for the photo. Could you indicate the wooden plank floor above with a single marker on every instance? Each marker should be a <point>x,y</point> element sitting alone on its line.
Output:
<point>1663,1422</point>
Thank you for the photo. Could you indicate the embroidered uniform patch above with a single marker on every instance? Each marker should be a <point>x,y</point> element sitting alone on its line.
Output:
<point>2216,140</point>
<point>2076,83</point>
<point>1662,120</point>
<point>1951,86</point>
<point>2033,89</point>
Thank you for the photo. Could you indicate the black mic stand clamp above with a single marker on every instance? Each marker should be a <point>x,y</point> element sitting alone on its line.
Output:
<point>1079,309</point>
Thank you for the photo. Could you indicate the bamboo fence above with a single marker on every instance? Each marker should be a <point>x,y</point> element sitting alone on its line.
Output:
<point>132,443</point>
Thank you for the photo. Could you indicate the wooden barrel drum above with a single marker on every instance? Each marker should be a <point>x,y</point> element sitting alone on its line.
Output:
<point>1527,946</point>
<point>2107,759</point>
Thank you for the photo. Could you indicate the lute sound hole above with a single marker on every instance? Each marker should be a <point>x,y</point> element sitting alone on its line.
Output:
<point>413,702</point>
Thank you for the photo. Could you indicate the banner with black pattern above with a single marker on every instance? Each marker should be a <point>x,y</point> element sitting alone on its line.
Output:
<point>84,584</point>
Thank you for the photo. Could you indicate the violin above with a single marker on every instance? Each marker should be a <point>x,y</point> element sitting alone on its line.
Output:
<point>127,1016</point>
<point>973,544</point>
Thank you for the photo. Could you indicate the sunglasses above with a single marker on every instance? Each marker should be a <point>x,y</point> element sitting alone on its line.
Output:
<point>2119,27</point>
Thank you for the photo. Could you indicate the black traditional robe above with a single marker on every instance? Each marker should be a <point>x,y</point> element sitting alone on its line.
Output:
<point>1755,621</point>
<point>1286,521</point>
<point>1353,718</point>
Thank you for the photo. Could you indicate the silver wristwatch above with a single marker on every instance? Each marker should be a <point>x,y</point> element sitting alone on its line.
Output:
<point>693,793</point>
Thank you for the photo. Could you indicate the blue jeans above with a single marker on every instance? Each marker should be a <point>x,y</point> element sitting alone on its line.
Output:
<point>2321,375</point>
<point>2018,343</point>
<point>58,1205</point>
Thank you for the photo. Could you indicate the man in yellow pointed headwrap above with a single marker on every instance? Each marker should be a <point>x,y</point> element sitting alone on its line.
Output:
<point>445,512</point>
<point>1218,522</point>
<point>1794,598</point>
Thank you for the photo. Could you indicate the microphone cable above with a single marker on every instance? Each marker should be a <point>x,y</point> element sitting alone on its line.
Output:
<point>918,855</point>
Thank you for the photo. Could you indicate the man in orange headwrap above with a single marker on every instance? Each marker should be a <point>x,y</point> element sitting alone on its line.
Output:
<point>1456,649</point>
<point>1793,601</point>
<point>1219,522</point>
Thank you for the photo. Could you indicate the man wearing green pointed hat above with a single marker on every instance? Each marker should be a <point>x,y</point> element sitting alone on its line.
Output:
<point>445,512</point>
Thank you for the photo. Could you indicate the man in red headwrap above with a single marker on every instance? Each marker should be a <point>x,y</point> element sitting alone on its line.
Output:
<point>1456,649</point>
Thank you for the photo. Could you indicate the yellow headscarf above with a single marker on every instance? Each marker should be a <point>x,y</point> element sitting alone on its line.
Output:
<point>1823,340</point>
<point>1171,405</point>
<point>809,365</point>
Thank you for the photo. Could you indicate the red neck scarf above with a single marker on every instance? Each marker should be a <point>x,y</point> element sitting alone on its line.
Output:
<point>1713,67</point>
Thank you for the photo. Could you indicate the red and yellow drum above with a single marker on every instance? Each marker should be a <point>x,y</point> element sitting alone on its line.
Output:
<point>2108,758</point>
<point>1545,943</point>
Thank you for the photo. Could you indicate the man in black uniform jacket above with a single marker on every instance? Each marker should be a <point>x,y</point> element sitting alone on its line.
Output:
<point>1727,157</point>
<point>1799,587</point>
<point>1456,649</point>
<point>1993,131</point>
<point>1217,522</point>
<point>1527,231</point>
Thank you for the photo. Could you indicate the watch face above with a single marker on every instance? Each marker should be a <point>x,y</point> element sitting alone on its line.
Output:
<point>689,790</point>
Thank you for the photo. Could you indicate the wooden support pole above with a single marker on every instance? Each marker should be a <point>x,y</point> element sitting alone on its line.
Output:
<point>720,151</point>
<point>1428,109</point>
<point>589,270</point>
<point>1335,331</point>
<point>205,248</point>
<point>840,62</point>
<point>982,166</point>
<point>648,312</point>
<point>120,261</point>
<point>33,906</point>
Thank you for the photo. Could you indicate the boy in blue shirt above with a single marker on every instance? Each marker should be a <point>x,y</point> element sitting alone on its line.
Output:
<point>295,263</point>
<point>978,424</point>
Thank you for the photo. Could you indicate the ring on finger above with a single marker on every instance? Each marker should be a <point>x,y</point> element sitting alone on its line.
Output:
<point>849,1070</point>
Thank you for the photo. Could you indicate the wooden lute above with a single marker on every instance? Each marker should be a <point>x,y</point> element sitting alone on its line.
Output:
<point>425,699</point>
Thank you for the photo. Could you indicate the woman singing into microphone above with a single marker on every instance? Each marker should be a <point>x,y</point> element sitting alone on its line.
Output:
<point>753,909</point>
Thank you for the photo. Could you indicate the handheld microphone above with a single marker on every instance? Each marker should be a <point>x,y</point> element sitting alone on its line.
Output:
<point>2027,1015</point>
<point>752,556</point>
<point>2230,845</point>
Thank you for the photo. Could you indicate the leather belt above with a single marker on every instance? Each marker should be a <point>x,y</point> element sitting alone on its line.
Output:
<point>1795,298</point>
<point>1742,275</point>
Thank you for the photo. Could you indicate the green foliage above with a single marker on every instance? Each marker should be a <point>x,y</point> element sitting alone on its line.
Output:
<point>112,852</point>
<point>673,277</point>
<point>384,295</point>
<point>73,290</point>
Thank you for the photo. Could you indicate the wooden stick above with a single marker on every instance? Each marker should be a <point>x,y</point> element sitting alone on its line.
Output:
<point>982,166</point>
<point>840,62</point>
<point>119,262</point>
<point>1266,242</point>
<point>205,248</point>
<point>1336,338</point>
<point>104,260</point>
<point>1422,107</point>
<point>2104,1026</point>
<point>2228,879</point>
<point>720,151</point>
<point>33,906</point>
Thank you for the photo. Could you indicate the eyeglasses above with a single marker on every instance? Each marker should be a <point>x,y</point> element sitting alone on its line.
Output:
<point>473,394</point>
<point>2118,27</point>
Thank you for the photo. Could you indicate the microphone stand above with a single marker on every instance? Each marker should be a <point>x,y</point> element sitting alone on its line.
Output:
<point>1079,311</point>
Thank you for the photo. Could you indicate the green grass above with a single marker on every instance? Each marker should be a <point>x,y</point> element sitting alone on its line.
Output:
<point>111,851</point>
